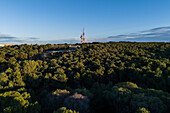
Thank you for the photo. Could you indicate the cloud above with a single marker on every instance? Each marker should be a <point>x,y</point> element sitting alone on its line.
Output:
<point>157,35</point>
<point>158,29</point>
<point>2,37</point>
<point>6,37</point>
<point>33,38</point>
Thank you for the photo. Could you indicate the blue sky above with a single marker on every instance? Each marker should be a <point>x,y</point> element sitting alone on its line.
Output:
<point>58,21</point>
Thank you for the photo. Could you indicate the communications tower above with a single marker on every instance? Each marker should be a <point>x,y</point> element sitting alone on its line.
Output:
<point>82,37</point>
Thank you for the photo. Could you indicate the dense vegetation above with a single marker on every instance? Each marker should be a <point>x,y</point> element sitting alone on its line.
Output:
<point>114,77</point>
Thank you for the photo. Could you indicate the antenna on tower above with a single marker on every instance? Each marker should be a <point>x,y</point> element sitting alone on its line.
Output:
<point>83,29</point>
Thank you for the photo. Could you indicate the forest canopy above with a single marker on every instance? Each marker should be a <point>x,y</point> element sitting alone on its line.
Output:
<point>113,77</point>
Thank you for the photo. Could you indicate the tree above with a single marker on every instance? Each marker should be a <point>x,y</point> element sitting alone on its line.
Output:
<point>65,110</point>
<point>12,60</point>
<point>54,100</point>
<point>16,102</point>
<point>3,79</point>
<point>78,102</point>
<point>60,77</point>
<point>142,110</point>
